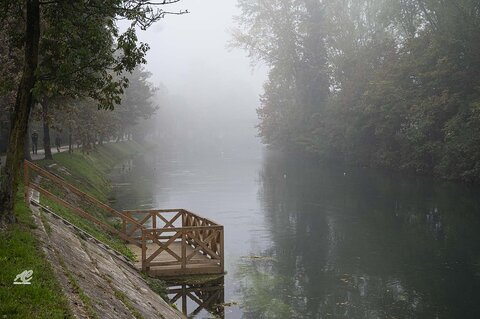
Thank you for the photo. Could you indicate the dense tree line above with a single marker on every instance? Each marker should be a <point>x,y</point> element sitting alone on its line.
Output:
<point>389,83</point>
<point>79,123</point>
<point>69,62</point>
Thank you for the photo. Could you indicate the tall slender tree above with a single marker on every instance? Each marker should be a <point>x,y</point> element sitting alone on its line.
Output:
<point>20,114</point>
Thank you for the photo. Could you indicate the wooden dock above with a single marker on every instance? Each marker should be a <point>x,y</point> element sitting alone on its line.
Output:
<point>200,264</point>
<point>176,242</point>
<point>166,242</point>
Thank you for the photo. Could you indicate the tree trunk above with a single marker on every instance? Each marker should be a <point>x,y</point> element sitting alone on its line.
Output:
<point>27,155</point>
<point>46,131</point>
<point>20,116</point>
<point>27,148</point>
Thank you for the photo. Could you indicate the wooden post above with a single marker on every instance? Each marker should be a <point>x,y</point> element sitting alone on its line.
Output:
<point>144,251</point>
<point>222,252</point>
<point>184,249</point>
<point>184,298</point>
<point>124,224</point>
<point>26,182</point>
<point>154,220</point>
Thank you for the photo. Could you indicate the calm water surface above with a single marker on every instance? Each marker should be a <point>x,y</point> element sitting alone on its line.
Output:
<point>309,241</point>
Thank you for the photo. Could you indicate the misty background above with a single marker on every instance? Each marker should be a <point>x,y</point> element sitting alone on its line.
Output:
<point>208,93</point>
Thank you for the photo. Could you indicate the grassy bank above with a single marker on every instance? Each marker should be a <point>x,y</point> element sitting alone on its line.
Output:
<point>88,172</point>
<point>19,251</point>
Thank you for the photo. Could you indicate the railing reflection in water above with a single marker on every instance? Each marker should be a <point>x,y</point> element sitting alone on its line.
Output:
<point>193,298</point>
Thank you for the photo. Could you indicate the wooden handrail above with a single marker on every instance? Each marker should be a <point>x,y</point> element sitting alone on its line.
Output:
<point>200,217</point>
<point>146,211</point>
<point>173,210</point>
<point>58,181</point>
<point>82,213</point>
<point>75,190</point>
<point>176,229</point>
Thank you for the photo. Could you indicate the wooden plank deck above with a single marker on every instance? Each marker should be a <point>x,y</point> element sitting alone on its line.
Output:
<point>202,264</point>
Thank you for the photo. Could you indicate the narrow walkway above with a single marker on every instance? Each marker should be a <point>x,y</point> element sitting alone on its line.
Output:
<point>40,155</point>
<point>41,152</point>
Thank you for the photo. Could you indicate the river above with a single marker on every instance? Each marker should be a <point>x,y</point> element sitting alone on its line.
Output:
<point>304,240</point>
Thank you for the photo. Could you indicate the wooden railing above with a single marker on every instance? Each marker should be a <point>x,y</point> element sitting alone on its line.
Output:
<point>184,238</point>
<point>55,181</point>
<point>150,219</point>
<point>171,240</point>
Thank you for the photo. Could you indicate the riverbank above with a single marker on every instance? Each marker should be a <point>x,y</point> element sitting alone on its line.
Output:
<point>22,245</point>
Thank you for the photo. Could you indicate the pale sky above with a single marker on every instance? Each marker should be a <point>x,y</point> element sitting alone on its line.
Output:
<point>189,55</point>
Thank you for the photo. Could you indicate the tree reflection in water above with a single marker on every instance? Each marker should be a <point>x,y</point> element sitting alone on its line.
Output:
<point>362,245</point>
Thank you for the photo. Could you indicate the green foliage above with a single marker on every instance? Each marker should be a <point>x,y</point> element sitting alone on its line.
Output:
<point>82,51</point>
<point>88,171</point>
<point>289,37</point>
<point>384,82</point>
<point>19,251</point>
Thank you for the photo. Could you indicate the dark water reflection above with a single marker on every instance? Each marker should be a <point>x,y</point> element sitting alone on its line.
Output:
<point>194,298</point>
<point>309,241</point>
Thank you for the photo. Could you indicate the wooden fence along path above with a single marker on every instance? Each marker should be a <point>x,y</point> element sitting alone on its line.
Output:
<point>167,242</point>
